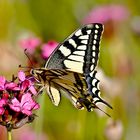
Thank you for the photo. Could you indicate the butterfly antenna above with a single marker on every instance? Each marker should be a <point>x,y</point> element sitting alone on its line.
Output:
<point>25,52</point>
<point>24,67</point>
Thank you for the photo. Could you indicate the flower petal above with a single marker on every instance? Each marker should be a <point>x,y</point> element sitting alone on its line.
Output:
<point>37,106</point>
<point>15,105</point>
<point>2,102</point>
<point>28,104</point>
<point>21,75</point>
<point>26,98</point>
<point>25,85</point>
<point>48,48</point>
<point>27,112</point>
<point>12,86</point>
<point>1,111</point>
<point>33,90</point>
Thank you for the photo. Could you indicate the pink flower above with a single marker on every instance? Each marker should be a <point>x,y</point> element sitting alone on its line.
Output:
<point>48,48</point>
<point>114,130</point>
<point>21,75</point>
<point>2,103</point>
<point>26,133</point>
<point>26,105</point>
<point>30,44</point>
<point>17,101</point>
<point>26,83</point>
<point>107,13</point>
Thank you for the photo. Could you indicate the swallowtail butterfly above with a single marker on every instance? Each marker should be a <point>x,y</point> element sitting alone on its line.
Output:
<point>70,69</point>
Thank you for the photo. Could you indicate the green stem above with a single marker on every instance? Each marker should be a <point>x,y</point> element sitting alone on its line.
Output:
<point>9,135</point>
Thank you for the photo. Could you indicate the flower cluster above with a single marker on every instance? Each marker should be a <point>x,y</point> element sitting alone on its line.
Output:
<point>38,51</point>
<point>17,101</point>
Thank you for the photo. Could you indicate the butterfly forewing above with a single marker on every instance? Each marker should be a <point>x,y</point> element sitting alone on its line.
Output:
<point>79,52</point>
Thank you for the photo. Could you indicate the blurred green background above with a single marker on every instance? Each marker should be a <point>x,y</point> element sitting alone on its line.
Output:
<point>119,66</point>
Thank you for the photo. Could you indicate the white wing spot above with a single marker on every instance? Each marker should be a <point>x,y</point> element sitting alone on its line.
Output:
<point>95,36</point>
<point>79,52</point>
<point>91,67</point>
<point>95,99</point>
<point>64,50</point>
<point>71,41</point>
<point>78,33</point>
<point>93,60</point>
<point>74,66</point>
<point>94,81</point>
<point>94,89</point>
<point>97,26</point>
<point>96,31</point>
<point>84,37</point>
<point>91,73</point>
<point>93,54</point>
<point>93,47</point>
<point>94,42</point>
<point>84,41</point>
<point>76,58</point>
<point>88,31</point>
<point>82,47</point>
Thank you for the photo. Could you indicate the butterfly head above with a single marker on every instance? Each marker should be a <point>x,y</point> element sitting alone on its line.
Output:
<point>36,73</point>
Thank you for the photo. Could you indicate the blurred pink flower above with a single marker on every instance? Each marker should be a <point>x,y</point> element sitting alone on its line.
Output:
<point>26,133</point>
<point>114,130</point>
<point>107,13</point>
<point>110,16</point>
<point>26,105</point>
<point>30,44</point>
<point>108,82</point>
<point>48,48</point>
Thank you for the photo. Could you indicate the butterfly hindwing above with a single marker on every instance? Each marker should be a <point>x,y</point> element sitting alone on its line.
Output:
<point>93,88</point>
<point>74,86</point>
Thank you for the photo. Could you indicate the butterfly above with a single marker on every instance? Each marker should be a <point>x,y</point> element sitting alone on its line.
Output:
<point>70,69</point>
